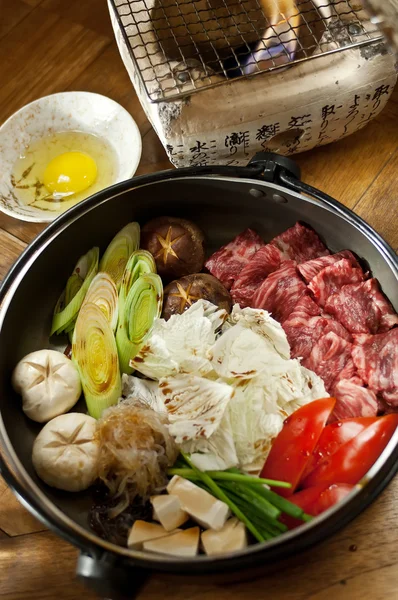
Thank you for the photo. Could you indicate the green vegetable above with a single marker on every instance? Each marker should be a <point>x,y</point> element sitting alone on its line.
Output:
<point>255,500</point>
<point>268,527</point>
<point>143,305</point>
<point>119,251</point>
<point>95,355</point>
<point>248,498</point>
<point>139,263</point>
<point>220,494</point>
<point>284,505</point>
<point>103,293</point>
<point>71,299</point>
<point>73,285</point>
<point>255,512</point>
<point>237,477</point>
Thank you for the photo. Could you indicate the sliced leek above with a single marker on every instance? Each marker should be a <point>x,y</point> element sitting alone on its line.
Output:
<point>143,305</point>
<point>71,299</point>
<point>103,293</point>
<point>119,251</point>
<point>139,263</point>
<point>95,355</point>
<point>73,285</point>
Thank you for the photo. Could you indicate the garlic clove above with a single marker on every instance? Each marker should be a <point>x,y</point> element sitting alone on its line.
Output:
<point>65,453</point>
<point>49,384</point>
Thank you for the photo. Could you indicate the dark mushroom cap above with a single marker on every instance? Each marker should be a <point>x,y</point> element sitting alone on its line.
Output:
<point>177,246</point>
<point>180,294</point>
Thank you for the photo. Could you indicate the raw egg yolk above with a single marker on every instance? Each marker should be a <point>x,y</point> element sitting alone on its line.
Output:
<point>70,173</point>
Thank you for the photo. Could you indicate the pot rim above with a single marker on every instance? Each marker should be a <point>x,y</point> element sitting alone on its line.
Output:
<point>36,501</point>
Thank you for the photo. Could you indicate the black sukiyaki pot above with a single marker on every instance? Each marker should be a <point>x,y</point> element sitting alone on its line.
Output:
<point>266,196</point>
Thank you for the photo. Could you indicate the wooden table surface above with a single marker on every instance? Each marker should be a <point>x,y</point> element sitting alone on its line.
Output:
<point>49,46</point>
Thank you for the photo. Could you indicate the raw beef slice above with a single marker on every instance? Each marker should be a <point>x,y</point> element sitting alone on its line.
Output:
<point>228,261</point>
<point>300,243</point>
<point>328,358</point>
<point>391,398</point>
<point>310,268</point>
<point>362,308</point>
<point>332,278</point>
<point>266,260</point>
<point>280,291</point>
<point>353,400</point>
<point>305,326</point>
<point>376,358</point>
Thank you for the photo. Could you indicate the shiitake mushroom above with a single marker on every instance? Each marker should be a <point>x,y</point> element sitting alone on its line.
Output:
<point>177,246</point>
<point>180,294</point>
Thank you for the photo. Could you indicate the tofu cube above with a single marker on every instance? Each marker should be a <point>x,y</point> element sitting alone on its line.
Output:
<point>185,543</point>
<point>206,510</point>
<point>167,510</point>
<point>142,531</point>
<point>230,538</point>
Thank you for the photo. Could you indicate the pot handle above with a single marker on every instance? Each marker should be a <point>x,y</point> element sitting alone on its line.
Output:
<point>266,166</point>
<point>109,577</point>
<point>273,166</point>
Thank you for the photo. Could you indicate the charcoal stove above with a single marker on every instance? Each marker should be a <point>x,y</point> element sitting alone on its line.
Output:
<point>222,79</point>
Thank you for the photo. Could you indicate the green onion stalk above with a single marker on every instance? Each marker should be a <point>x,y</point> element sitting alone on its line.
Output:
<point>71,299</point>
<point>143,305</point>
<point>95,354</point>
<point>235,477</point>
<point>249,498</point>
<point>115,257</point>
<point>221,495</point>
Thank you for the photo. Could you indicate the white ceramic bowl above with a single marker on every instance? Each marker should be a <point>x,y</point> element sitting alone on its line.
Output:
<point>67,111</point>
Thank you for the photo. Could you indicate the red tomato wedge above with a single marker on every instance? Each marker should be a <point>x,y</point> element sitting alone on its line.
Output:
<point>353,460</point>
<point>333,437</point>
<point>294,445</point>
<point>315,500</point>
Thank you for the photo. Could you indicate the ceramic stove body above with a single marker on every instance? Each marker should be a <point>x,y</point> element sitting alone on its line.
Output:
<point>321,87</point>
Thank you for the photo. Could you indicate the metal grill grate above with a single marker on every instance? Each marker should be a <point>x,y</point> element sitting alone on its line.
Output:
<point>180,47</point>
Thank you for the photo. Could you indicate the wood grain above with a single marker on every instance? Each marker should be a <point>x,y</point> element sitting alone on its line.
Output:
<point>382,583</point>
<point>39,566</point>
<point>33,3</point>
<point>379,205</point>
<point>92,14</point>
<point>347,169</point>
<point>45,52</point>
<point>3,486</point>
<point>53,45</point>
<point>102,77</point>
<point>10,248</point>
<point>11,14</point>
<point>154,157</point>
<point>20,229</point>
